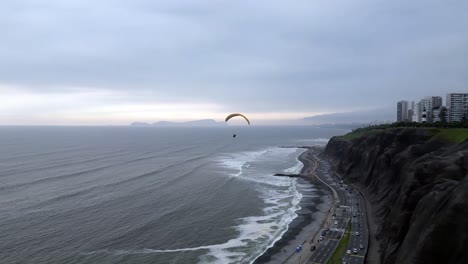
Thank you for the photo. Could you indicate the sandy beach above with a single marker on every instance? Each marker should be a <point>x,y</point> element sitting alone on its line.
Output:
<point>304,229</point>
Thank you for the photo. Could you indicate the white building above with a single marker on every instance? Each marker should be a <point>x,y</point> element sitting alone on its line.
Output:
<point>417,111</point>
<point>457,106</point>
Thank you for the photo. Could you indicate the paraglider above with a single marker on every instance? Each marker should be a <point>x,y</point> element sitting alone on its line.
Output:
<point>234,115</point>
<point>237,114</point>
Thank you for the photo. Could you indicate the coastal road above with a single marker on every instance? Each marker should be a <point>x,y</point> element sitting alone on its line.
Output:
<point>349,208</point>
<point>359,232</point>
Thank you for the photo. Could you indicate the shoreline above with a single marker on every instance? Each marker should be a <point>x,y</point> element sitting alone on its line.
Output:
<point>312,217</point>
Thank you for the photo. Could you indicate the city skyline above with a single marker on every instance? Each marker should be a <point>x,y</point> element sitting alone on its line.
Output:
<point>429,108</point>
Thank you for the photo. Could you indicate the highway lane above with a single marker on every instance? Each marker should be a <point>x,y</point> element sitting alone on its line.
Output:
<point>359,232</point>
<point>325,248</point>
<point>350,206</point>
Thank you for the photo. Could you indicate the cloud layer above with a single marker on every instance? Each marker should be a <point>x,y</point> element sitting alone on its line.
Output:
<point>291,58</point>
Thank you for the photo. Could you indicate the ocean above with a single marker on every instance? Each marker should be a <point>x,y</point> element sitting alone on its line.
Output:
<point>149,194</point>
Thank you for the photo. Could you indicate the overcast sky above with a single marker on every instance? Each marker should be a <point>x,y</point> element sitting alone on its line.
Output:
<point>114,62</point>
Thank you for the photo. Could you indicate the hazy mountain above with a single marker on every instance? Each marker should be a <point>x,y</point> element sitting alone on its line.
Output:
<point>204,122</point>
<point>366,117</point>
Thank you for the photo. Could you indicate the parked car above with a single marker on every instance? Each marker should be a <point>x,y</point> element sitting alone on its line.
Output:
<point>355,251</point>
<point>312,248</point>
<point>361,246</point>
<point>321,238</point>
<point>348,252</point>
<point>357,233</point>
<point>336,222</point>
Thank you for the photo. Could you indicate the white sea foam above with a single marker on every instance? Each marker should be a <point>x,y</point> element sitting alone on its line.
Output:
<point>296,169</point>
<point>239,161</point>
<point>280,195</point>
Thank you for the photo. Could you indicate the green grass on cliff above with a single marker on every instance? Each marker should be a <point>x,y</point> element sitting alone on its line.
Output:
<point>455,135</point>
<point>360,133</point>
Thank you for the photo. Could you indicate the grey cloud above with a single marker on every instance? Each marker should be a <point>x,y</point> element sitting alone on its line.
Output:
<point>296,55</point>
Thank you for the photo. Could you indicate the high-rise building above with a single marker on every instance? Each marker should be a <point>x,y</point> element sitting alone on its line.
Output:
<point>436,101</point>
<point>402,111</point>
<point>429,103</point>
<point>457,106</point>
<point>409,117</point>
<point>436,113</point>
<point>417,112</point>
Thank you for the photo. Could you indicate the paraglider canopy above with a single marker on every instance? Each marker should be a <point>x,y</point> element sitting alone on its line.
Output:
<point>237,114</point>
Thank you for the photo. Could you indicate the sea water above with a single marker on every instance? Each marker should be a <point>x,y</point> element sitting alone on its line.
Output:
<point>149,194</point>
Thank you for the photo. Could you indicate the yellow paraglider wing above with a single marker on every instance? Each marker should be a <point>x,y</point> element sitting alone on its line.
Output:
<point>237,114</point>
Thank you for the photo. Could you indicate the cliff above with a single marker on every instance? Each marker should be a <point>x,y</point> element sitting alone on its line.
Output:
<point>417,184</point>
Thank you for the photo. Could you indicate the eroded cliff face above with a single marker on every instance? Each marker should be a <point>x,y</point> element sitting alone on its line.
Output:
<point>418,187</point>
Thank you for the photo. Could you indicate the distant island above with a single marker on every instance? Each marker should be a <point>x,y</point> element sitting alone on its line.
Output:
<point>140,124</point>
<point>197,123</point>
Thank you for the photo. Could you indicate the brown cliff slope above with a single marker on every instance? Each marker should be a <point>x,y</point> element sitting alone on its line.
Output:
<point>418,188</point>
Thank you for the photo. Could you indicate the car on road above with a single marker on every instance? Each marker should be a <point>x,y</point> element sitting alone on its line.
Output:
<point>354,215</point>
<point>348,251</point>
<point>355,251</point>
<point>357,233</point>
<point>361,246</point>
